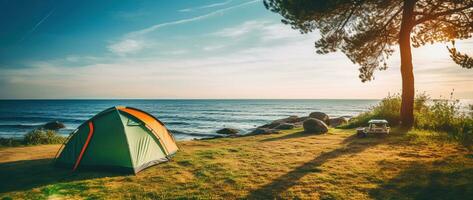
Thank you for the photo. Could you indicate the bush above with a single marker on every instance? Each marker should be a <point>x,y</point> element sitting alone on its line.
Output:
<point>442,115</point>
<point>445,115</point>
<point>10,142</point>
<point>41,136</point>
<point>388,109</point>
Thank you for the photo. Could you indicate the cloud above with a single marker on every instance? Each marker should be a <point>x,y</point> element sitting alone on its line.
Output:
<point>258,72</point>
<point>176,52</point>
<point>213,47</point>
<point>126,46</point>
<point>205,6</point>
<point>266,30</point>
<point>281,31</point>
<point>192,19</point>
<point>242,29</point>
<point>129,43</point>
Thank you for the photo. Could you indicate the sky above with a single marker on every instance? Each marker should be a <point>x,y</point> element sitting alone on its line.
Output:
<point>227,49</point>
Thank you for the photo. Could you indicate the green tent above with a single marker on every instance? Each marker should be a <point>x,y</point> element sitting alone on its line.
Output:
<point>118,138</point>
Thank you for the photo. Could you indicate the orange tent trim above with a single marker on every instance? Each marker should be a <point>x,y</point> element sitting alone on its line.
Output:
<point>91,132</point>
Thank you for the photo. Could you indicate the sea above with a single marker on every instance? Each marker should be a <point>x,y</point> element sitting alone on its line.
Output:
<point>186,119</point>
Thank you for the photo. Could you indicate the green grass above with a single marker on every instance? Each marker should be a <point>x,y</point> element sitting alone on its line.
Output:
<point>291,165</point>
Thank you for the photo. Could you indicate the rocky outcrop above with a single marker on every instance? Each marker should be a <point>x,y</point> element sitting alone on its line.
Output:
<point>320,116</point>
<point>55,125</point>
<point>316,126</point>
<point>316,122</point>
<point>294,120</point>
<point>280,124</point>
<point>211,138</point>
<point>284,126</point>
<point>228,131</point>
<point>258,131</point>
<point>334,122</point>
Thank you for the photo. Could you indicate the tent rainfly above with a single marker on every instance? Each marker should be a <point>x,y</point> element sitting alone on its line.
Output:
<point>120,139</point>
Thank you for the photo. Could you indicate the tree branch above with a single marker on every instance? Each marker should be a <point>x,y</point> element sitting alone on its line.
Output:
<point>346,20</point>
<point>350,15</point>
<point>429,17</point>
<point>392,18</point>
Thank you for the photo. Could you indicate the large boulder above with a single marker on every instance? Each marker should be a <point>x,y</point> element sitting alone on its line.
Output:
<point>228,131</point>
<point>55,125</point>
<point>284,126</point>
<point>334,122</point>
<point>316,126</point>
<point>320,116</point>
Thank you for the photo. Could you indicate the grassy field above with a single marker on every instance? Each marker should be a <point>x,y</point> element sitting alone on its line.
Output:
<point>290,165</point>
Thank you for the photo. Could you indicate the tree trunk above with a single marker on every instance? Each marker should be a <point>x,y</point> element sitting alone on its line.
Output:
<point>407,106</point>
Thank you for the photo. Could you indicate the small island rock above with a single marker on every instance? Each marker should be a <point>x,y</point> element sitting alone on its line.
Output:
<point>55,125</point>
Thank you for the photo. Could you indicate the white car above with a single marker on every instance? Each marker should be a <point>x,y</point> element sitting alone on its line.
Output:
<point>375,126</point>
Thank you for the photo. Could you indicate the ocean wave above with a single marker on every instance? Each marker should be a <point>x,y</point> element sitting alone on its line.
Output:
<point>177,123</point>
<point>193,134</point>
<point>34,125</point>
<point>41,119</point>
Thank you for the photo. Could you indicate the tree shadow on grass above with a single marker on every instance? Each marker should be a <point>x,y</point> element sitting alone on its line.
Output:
<point>28,174</point>
<point>423,181</point>
<point>350,145</point>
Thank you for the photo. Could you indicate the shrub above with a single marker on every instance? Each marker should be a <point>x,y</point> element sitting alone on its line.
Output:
<point>444,115</point>
<point>41,136</point>
<point>10,142</point>
<point>388,109</point>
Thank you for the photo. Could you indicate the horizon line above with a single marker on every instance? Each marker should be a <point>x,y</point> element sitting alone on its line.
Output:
<point>13,99</point>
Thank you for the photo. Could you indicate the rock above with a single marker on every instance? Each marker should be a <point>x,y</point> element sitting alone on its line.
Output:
<point>334,122</point>
<point>285,126</point>
<point>320,116</point>
<point>290,119</point>
<point>211,138</point>
<point>263,131</point>
<point>271,125</point>
<point>280,124</point>
<point>228,131</point>
<point>316,126</point>
<point>294,120</point>
<point>56,125</point>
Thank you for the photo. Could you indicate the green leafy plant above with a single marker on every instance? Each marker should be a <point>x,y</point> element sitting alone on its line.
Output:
<point>439,115</point>
<point>41,136</point>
